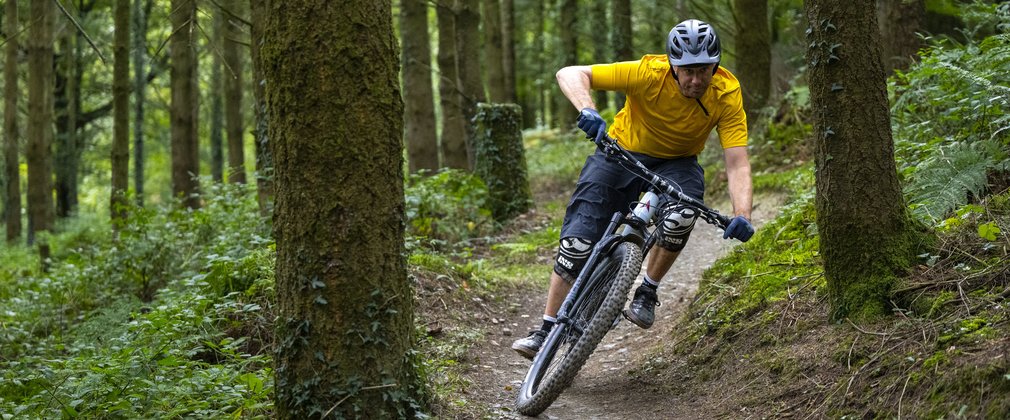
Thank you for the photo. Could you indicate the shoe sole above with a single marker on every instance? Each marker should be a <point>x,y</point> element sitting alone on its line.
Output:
<point>634,320</point>
<point>525,352</point>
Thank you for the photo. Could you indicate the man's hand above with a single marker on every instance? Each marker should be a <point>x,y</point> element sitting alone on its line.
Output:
<point>739,228</point>
<point>593,124</point>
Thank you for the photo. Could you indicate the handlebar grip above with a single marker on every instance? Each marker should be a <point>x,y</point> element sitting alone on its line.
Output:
<point>723,221</point>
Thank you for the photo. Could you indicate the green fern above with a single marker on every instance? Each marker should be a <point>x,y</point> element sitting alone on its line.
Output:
<point>954,174</point>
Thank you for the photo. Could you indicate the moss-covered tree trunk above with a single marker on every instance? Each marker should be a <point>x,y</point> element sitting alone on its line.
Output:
<point>264,158</point>
<point>899,21</point>
<point>501,160</point>
<point>185,103</point>
<point>12,173</point>
<point>753,44</point>
<point>233,92</point>
<point>418,95</point>
<point>468,53</point>
<point>120,153</point>
<point>861,215</point>
<point>620,37</point>
<point>453,122</point>
<point>344,326</point>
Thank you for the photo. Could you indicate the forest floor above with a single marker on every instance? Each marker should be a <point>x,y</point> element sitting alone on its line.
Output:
<point>611,384</point>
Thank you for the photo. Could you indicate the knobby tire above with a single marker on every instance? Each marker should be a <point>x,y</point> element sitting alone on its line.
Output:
<point>595,310</point>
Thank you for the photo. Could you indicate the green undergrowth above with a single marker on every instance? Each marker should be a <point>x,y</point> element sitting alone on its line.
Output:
<point>170,320</point>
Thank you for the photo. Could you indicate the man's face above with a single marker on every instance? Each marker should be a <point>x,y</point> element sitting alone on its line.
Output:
<point>694,80</point>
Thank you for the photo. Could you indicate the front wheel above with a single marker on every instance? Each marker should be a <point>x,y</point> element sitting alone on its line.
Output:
<point>591,316</point>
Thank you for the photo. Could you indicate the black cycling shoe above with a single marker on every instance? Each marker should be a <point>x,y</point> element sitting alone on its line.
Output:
<point>641,312</point>
<point>529,346</point>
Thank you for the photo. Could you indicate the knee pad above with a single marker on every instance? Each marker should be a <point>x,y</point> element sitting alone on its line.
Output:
<point>572,256</point>
<point>676,227</point>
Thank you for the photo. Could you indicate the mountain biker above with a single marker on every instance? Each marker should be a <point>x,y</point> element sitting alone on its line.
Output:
<point>673,103</point>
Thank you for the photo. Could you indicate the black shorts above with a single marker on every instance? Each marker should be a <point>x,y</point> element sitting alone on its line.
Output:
<point>605,187</point>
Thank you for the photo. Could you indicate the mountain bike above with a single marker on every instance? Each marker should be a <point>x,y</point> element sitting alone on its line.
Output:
<point>593,305</point>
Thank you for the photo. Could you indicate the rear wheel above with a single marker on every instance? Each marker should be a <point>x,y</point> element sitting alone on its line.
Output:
<point>591,316</point>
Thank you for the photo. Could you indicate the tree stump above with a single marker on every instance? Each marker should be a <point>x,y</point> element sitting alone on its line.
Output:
<point>500,159</point>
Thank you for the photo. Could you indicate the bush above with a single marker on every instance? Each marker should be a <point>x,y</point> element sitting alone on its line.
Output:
<point>449,205</point>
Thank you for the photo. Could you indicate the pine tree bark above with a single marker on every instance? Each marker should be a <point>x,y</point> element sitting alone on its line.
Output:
<point>601,48</point>
<point>344,303</point>
<point>264,158</point>
<point>141,9</point>
<point>508,27</point>
<point>899,21</point>
<point>753,43</point>
<point>40,122</point>
<point>858,195</point>
<point>493,52</point>
<point>471,85</point>
<point>564,116</point>
<point>185,104</point>
<point>418,96</point>
<point>450,99</point>
<point>120,154</point>
<point>12,172</point>
<point>233,97</point>
<point>621,39</point>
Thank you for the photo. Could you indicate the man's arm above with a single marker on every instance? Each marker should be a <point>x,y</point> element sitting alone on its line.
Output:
<point>738,173</point>
<point>576,84</point>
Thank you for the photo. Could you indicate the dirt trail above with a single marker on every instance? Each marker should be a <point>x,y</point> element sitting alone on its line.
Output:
<point>604,388</point>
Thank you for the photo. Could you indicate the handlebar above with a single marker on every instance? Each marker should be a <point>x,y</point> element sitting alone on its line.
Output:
<point>624,158</point>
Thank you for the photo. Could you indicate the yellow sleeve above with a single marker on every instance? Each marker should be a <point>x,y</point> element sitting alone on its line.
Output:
<point>732,126</point>
<point>624,76</point>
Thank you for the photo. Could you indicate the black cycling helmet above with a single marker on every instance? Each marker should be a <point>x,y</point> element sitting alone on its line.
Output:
<point>693,42</point>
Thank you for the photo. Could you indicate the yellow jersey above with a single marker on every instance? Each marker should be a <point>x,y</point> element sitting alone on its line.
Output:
<point>657,120</point>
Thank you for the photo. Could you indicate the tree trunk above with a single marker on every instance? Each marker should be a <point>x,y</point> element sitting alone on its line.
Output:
<point>858,195</point>
<point>509,49</point>
<point>453,122</point>
<point>564,117</point>
<point>501,160</point>
<point>493,52</point>
<point>185,104</point>
<point>141,9</point>
<point>899,21</point>
<point>12,173</point>
<point>233,95</point>
<point>543,79</point>
<point>264,158</point>
<point>418,97</point>
<point>40,122</point>
<point>344,303</point>
<point>217,100</point>
<point>753,45</point>
<point>67,109</point>
<point>601,50</point>
<point>621,39</point>
<point>120,155</point>
<point>467,52</point>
